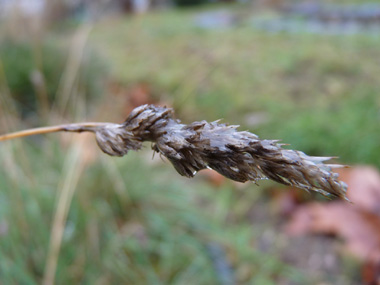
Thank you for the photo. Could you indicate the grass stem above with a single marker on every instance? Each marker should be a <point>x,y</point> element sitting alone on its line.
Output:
<point>79,127</point>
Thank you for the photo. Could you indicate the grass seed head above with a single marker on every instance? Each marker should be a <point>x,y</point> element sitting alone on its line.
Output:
<point>240,156</point>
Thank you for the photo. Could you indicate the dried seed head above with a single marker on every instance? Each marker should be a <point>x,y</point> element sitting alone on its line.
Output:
<point>240,156</point>
<point>115,140</point>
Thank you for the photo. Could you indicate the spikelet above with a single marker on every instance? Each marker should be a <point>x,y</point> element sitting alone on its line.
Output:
<point>240,156</point>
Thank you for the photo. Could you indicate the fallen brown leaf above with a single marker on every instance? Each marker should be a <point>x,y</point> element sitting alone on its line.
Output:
<point>357,224</point>
<point>363,186</point>
<point>360,229</point>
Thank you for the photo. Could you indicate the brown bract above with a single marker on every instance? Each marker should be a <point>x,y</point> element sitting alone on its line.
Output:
<point>240,156</point>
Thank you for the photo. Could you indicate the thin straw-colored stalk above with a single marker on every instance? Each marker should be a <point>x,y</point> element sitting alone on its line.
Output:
<point>73,168</point>
<point>71,72</point>
<point>79,127</point>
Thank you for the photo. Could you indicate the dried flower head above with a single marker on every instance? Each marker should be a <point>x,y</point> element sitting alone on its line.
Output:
<point>240,156</point>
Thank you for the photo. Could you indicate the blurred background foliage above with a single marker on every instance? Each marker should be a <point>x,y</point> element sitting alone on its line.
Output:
<point>29,68</point>
<point>71,214</point>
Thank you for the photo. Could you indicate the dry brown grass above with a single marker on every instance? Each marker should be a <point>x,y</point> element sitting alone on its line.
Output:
<point>239,156</point>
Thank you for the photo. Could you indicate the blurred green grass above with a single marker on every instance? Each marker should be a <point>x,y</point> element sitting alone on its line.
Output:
<point>124,228</point>
<point>320,93</point>
<point>134,222</point>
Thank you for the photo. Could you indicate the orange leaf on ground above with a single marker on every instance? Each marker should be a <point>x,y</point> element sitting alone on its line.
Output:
<point>359,228</point>
<point>363,186</point>
<point>358,224</point>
